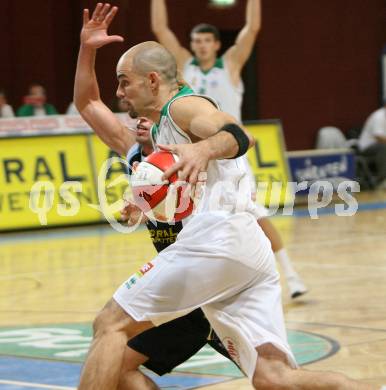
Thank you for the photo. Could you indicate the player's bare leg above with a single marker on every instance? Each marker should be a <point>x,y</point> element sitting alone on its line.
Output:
<point>295,284</point>
<point>131,377</point>
<point>273,372</point>
<point>112,329</point>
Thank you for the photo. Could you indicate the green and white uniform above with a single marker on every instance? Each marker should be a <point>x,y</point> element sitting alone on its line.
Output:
<point>221,261</point>
<point>227,178</point>
<point>216,83</point>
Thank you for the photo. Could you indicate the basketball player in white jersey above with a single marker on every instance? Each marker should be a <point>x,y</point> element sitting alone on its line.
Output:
<point>230,271</point>
<point>220,78</point>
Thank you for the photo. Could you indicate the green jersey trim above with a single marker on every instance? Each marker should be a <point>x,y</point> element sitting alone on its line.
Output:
<point>219,63</point>
<point>165,112</point>
<point>185,90</point>
<point>153,132</point>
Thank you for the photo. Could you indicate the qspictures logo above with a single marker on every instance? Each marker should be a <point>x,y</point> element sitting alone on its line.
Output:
<point>320,195</point>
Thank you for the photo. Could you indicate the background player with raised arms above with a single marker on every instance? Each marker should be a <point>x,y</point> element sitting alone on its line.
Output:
<point>220,78</point>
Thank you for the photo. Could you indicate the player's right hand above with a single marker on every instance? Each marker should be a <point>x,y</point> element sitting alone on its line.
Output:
<point>94,30</point>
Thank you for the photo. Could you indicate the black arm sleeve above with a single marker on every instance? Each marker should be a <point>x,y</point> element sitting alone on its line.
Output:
<point>240,137</point>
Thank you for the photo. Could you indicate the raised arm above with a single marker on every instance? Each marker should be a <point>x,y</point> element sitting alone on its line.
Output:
<point>165,36</point>
<point>216,135</point>
<point>86,91</point>
<point>237,55</point>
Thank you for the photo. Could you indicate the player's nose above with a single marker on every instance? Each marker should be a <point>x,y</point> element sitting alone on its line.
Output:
<point>120,94</point>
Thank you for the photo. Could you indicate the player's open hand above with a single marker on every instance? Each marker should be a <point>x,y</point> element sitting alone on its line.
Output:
<point>192,164</point>
<point>94,30</point>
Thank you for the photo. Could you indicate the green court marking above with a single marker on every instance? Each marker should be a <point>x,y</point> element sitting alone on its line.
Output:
<point>70,342</point>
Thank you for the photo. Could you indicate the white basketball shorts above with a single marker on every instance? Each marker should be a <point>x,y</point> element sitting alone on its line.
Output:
<point>224,264</point>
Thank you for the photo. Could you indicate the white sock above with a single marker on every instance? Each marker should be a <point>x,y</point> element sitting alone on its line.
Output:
<point>285,263</point>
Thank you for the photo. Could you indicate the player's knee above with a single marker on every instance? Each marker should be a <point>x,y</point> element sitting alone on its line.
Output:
<point>271,375</point>
<point>100,323</point>
<point>106,320</point>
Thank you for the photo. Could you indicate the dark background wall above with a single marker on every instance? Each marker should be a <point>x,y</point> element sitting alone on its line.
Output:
<point>316,62</point>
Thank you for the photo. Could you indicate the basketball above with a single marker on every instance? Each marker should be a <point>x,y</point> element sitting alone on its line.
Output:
<point>163,201</point>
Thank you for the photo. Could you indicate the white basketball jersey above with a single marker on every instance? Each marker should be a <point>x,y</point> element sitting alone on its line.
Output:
<point>227,186</point>
<point>217,84</point>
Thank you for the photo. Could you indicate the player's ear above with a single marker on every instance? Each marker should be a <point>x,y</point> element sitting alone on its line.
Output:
<point>154,82</point>
<point>217,44</point>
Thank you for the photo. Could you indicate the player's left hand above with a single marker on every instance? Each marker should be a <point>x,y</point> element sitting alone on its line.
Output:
<point>94,31</point>
<point>192,164</point>
<point>132,214</point>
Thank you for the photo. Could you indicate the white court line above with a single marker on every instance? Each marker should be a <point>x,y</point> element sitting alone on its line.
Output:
<point>35,385</point>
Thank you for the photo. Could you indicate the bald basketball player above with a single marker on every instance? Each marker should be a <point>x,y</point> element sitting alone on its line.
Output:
<point>231,273</point>
<point>220,78</point>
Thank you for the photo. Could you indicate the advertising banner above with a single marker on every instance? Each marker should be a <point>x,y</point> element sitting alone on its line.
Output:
<point>46,181</point>
<point>269,164</point>
<point>330,165</point>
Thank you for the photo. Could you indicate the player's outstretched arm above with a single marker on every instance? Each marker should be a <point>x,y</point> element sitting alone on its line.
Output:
<point>86,91</point>
<point>165,36</point>
<point>216,135</point>
<point>238,54</point>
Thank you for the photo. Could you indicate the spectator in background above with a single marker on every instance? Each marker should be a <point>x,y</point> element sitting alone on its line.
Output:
<point>72,110</point>
<point>372,142</point>
<point>36,103</point>
<point>6,111</point>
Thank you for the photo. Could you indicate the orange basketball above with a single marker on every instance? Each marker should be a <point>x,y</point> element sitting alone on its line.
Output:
<point>159,200</point>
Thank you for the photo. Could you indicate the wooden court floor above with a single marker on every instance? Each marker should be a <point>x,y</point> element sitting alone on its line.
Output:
<point>65,276</point>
